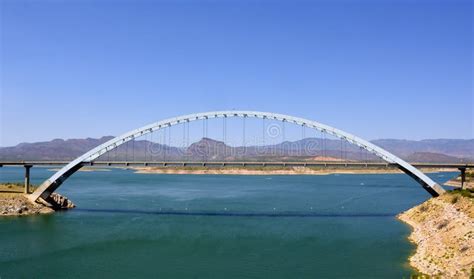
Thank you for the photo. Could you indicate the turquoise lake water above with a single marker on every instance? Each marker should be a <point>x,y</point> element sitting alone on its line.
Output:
<point>130,225</point>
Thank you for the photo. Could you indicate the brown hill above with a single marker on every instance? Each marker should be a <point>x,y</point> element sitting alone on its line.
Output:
<point>209,149</point>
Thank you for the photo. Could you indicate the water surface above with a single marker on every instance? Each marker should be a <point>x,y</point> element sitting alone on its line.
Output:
<point>210,226</point>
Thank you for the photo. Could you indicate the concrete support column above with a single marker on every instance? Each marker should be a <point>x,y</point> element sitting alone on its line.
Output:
<point>27,179</point>
<point>463,177</point>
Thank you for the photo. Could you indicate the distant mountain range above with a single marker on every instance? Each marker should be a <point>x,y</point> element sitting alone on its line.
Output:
<point>432,150</point>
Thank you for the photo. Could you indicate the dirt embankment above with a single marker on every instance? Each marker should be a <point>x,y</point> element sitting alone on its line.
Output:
<point>13,202</point>
<point>17,204</point>
<point>443,230</point>
<point>269,170</point>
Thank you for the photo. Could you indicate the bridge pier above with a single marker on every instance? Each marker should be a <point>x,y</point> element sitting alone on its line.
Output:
<point>463,177</point>
<point>27,179</point>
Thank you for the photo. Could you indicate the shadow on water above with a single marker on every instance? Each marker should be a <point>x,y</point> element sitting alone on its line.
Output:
<point>234,214</point>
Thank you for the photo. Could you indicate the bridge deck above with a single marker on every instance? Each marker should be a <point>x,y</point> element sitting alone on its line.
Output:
<point>236,163</point>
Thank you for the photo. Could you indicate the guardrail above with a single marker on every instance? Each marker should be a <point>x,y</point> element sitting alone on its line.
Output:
<point>236,163</point>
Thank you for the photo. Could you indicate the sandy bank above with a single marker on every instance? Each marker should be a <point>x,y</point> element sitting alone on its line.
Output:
<point>269,170</point>
<point>443,230</point>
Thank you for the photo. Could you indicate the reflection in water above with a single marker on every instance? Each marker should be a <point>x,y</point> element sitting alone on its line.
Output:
<point>234,214</point>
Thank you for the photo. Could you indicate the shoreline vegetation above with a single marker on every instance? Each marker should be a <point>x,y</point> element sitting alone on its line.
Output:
<point>13,202</point>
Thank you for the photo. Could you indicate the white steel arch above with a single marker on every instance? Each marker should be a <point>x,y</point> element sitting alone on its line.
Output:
<point>48,186</point>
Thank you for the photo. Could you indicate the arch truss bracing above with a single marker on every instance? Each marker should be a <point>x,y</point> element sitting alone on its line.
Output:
<point>50,185</point>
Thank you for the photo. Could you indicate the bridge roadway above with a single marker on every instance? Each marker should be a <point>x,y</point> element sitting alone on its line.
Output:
<point>29,164</point>
<point>238,163</point>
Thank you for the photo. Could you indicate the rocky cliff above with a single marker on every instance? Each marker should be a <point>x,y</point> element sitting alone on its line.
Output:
<point>443,230</point>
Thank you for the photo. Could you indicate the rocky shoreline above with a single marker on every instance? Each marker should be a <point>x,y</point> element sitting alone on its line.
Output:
<point>443,231</point>
<point>14,203</point>
<point>18,205</point>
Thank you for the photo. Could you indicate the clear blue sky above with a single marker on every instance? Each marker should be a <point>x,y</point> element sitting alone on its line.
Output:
<point>379,69</point>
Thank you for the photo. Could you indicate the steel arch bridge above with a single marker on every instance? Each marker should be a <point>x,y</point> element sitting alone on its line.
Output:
<point>42,193</point>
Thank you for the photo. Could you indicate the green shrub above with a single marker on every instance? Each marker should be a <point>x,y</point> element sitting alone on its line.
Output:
<point>468,193</point>
<point>454,199</point>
